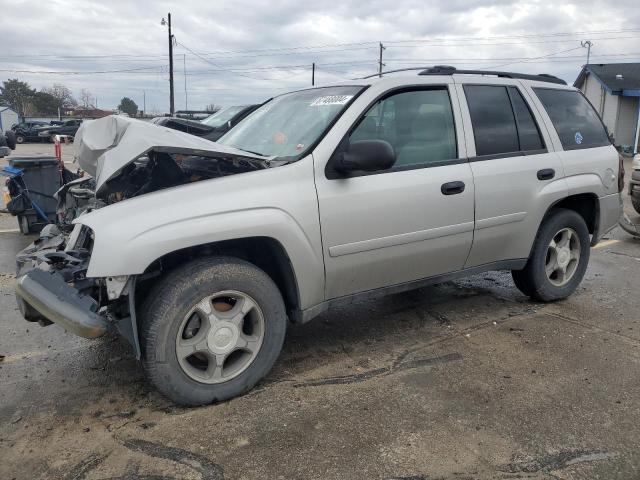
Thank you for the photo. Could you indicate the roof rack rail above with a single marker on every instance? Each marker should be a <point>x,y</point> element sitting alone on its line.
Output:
<point>392,71</point>
<point>448,70</point>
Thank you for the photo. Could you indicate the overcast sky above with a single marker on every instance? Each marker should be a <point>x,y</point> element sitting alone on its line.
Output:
<point>247,51</point>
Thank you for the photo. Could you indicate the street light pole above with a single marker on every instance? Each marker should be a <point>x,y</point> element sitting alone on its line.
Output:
<point>587,44</point>
<point>380,64</point>
<point>171,98</point>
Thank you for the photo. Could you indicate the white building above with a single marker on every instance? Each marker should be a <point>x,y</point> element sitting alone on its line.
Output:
<point>614,90</point>
<point>7,118</point>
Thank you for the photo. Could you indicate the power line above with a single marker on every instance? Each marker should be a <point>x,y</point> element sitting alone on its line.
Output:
<point>211,63</point>
<point>535,58</point>
<point>95,72</point>
<point>356,45</point>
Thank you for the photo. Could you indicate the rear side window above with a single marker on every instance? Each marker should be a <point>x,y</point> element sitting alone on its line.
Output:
<point>573,117</point>
<point>494,126</point>
<point>502,121</point>
<point>528,133</point>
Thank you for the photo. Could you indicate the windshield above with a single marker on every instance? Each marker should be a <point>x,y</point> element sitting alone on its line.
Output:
<point>222,116</point>
<point>287,125</point>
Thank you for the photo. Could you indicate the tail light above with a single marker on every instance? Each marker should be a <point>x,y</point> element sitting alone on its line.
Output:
<point>620,173</point>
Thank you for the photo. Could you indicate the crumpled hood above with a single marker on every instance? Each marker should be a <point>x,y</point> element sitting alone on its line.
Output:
<point>103,147</point>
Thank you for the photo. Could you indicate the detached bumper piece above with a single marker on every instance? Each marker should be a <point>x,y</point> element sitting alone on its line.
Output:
<point>47,293</point>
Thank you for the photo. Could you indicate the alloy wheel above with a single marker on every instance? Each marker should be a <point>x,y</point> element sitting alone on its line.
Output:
<point>220,337</point>
<point>563,257</point>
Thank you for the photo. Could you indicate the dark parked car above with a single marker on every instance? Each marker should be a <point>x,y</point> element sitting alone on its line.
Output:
<point>28,131</point>
<point>212,127</point>
<point>68,127</point>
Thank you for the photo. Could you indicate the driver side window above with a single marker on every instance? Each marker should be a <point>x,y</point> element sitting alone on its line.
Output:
<point>418,124</point>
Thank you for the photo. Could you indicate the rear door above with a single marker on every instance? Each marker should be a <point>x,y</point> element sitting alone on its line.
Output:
<point>412,221</point>
<point>517,174</point>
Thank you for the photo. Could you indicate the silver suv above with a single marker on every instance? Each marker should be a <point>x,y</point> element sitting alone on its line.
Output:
<point>200,252</point>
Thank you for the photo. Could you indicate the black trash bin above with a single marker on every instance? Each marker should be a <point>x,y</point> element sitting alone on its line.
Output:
<point>42,179</point>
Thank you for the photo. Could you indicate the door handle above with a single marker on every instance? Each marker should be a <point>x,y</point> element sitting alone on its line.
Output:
<point>452,188</point>
<point>546,174</point>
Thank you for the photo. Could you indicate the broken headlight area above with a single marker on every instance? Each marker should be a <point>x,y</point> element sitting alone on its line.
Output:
<point>163,168</point>
<point>74,199</point>
<point>53,287</point>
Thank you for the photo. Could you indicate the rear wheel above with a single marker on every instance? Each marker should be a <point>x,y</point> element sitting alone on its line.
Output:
<point>558,260</point>
<point>211,330</point>
<point>11,139</point>
<point>20,138</point>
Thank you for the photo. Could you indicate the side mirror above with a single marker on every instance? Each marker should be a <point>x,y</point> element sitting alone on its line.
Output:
<point>367,156</point>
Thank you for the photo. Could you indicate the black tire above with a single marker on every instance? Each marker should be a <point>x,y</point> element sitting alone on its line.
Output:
<point>11,139</point>
<point>20,139</point>
<point>171,299</point>
<point>636,204</point>
<point>532,280</point>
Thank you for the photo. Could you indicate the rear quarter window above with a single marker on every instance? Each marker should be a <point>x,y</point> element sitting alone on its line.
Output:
<point>577,123</point>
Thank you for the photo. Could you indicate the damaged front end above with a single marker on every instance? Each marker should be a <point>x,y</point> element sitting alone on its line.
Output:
<point>125,158</point>
<point>52,286</point>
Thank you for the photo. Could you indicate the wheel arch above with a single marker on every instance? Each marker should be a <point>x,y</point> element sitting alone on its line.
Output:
<point>584,204</point>
<point>264,252</point>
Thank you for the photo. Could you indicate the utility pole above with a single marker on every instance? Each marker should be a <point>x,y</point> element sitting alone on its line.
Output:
<point>171,100</point>
<point>184,69</point>
<point>380,64</point>
<point>587,44</point>
<point>144,102</point>
<point>313,74</point>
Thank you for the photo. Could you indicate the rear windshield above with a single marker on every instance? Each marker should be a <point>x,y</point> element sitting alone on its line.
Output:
<point>223,116</point>
<point>577,123</point>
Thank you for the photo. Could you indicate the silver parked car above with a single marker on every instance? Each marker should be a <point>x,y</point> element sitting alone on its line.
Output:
<point>200,252</point>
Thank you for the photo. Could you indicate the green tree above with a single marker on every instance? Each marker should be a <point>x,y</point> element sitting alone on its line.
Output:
<point>128,106</point>
<point>16,94</point>
<point>43,103</point>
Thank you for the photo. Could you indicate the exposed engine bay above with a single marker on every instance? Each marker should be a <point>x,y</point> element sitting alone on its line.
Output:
<point>154,171</point>
<point>158,170</point>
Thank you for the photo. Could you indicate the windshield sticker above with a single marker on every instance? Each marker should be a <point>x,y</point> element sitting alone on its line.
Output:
<point>331,100</point>
<point>578,138</point>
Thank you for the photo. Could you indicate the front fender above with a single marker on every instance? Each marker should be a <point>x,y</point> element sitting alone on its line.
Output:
<point>279,203</point>
<point>113,255</point>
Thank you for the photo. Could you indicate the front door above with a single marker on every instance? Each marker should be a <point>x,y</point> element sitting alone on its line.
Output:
<point>407,223</point>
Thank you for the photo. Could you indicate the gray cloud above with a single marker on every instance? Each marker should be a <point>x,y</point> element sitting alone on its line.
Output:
<point>106,31</point>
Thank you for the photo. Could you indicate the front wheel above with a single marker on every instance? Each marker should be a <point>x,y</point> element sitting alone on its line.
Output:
<point>558,260</point>
<point>211,330</point>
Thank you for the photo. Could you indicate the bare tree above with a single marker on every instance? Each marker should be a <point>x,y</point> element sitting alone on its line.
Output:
<point>212,108</point>
<point>86,98</point>
<point>62,95</point>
